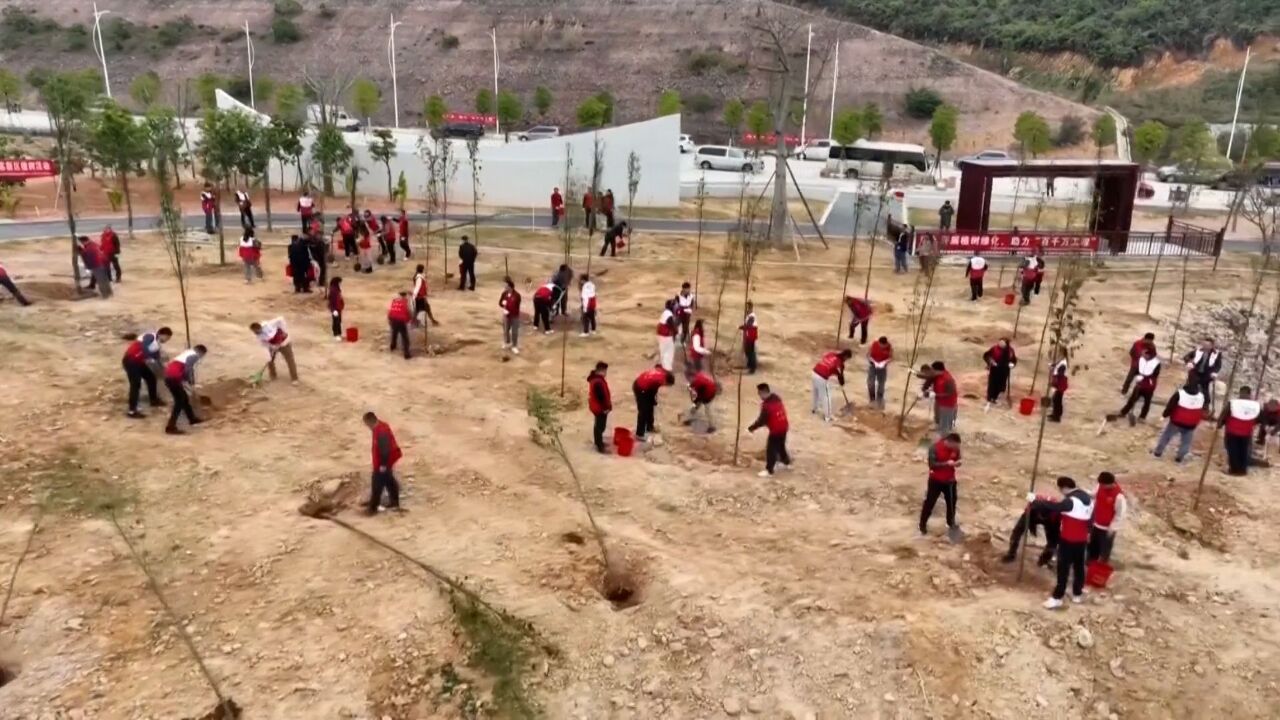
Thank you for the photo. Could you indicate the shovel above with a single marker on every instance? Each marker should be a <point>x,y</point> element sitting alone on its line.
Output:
<point>848,406</point>
<point>256,379</point>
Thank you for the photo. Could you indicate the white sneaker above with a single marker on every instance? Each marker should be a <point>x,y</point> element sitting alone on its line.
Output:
<point>764,474</point>
<point>584,335</point>
<point>1078,599</point>
<point>1052,604</point>
<point>505,345</point>
<point>549,332</point>
<point>337,338</point>
<point>515,350</point>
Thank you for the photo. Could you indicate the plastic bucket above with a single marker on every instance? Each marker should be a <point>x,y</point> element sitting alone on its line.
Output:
<point>1009,298</point>
<point>353,334</point>
<point>624,441</point>
<point>1027,405</point>
<point>288,271</point>
<point>1097,573</point>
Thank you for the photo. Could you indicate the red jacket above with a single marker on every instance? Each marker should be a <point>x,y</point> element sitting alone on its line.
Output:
<point>599,399</point>
<point>542,293</point>
<point>510,302</point>
<point>606,203</point>
<point>92,255</point>
<point>830,364</point>
<point>860,308</point>
<point>404,226</point>
<point>382,431</point>
<point>939,455</point>
<point>1135,352</point>
<point>704,387</point>
<point>942,397</point>
<point>557,202</point>
<point>773,415</point>
<point>651,379</point>
<point>1104,510</point>
<point>880,353</point>
<point>335,300</point>
<point>399,311</point>
<point>588,202</point>
<point>372,223</point>
<point>110,243</point>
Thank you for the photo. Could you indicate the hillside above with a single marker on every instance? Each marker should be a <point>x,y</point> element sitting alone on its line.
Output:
<point>633,49</point>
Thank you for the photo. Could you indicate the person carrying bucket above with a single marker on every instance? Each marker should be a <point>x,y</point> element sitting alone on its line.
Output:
<point>1109,512</point>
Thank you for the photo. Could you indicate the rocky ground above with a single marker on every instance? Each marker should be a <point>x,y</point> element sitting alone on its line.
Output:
<point>808,595</point>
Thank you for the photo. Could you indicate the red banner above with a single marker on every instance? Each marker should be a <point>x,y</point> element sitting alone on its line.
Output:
<point>1008,242</point>
<point>15,169</point>
<point>752,138</point>
<point>476,118</point>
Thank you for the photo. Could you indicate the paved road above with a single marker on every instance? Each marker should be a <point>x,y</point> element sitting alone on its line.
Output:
<point>840,221</point>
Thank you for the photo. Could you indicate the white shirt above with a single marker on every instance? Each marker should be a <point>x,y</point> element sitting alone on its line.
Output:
<point>685,303</point>
<point>242,197</point>
<point>306,202</point>
<point>269,330</point>
<point>977,263</point>
<point>666,316</point>
<point>698,347</point>
<point>588,291</point>
<point>418,281</point>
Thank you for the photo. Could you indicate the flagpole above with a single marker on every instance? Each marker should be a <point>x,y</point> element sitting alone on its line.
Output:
<point>835,79</point>
<point>1239,94</point>
<point>248,48</point>
<point>804,111</point>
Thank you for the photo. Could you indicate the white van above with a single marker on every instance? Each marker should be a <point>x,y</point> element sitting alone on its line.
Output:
<point>874,160</point>
<point>722,157</point>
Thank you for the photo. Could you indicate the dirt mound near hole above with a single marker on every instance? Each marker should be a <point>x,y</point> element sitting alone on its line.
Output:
<point>1209,525</point>
<point>55,291</point>
<point>223,395</point>
<point>329,497</point>
<point>226,710</point>
<point>867,420</point>
<point>987,559</point>
<point>440,342</point>
<point>711,448</point>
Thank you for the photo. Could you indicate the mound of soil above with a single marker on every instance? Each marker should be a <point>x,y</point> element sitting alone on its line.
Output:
<point>54,291</point>
<point>868,420</point>
<point>1209,525</point>
<point>440,342</point>
<point>329,497</point>
<point>223,395</point>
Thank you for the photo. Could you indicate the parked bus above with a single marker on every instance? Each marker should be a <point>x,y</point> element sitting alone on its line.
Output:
<point>874,160</point>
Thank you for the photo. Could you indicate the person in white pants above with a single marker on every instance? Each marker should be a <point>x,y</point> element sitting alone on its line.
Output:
<point>666,338</point>
<point>831,363</point>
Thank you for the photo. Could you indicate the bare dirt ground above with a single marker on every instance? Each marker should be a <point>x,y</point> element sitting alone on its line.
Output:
<point>807,595</point>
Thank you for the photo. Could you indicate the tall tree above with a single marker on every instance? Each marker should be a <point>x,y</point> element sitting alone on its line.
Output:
<point>290,101</point>
<point>1194,146</point>
<point>942,130</point>
<point>145,89</point>
<point>118,143</point>
<point>591,113</point>
<point>365,98</point>
<point>1104,132</point>
<point>255,159</point>
<point>734,113</point>
<point>542,101</point>
<point>510,110</point>
<point>67,98</point>
<point>10,87</point>
<point>759,120</point>
<point>669,103</point>
<point>383,150</point>
<point>1032,134</point>
<point>434,110</point>
<point>286,145</point>
<point>1149,140</point>
<point>226,135</point>
<point>484,101</point>
<point>331,155</point>
<point>164,140</point>
<point>872,119</point>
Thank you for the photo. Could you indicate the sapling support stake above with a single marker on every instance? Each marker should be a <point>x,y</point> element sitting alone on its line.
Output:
<point>17,565</point>
<point>807,209</point>
<point>848,266</point>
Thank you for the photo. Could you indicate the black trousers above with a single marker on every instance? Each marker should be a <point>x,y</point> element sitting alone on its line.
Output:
<point>997,383</point>
<point>139,373</point>
<point>1138,393</point>
<point>610,244</point>
<point>246,217</point>
<point>400,331</point>
<point>683,319</point>
<point>1027,523</point>
<point>588,321</point>
<point>1027,287</point>
<point>1206,387</point>
<point>749,350</point>
<point>542,313</point>
<point>181,403</point>
<point>975,288</point>
<point>115,265</point>
<point>386,249</point>
<point>323,281</point>
<point>775,451</point>
<point>1070,565</point>
<point>1128,379</point>
<point>466,270</point>
<point>208,223</point>
<point>337,323</point>
<point>408,250</point>
<point>934,490</point>
<point>7,284</point>
<point>1056,400</point>
<point>305,221</point>
<point>300,282</point>
<point>384,481</point>
<point>608,218</point>
<point>646,401</point>
<point>1100,544</point>
<point>349,245</point>
<point>591,221</point>
<point>854,325</point>
<point>1237,453</point>
<point>597,431</point>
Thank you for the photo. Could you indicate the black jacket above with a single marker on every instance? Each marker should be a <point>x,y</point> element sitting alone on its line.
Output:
<point>467,253</point>
<point>299,255</point>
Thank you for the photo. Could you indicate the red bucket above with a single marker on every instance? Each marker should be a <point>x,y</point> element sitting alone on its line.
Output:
<point>353,334</point>
<point>1097,573</point>
<point>624,441</point>
<point>288,271</point>
<point>1009,298</point>
<point>1027,405</point>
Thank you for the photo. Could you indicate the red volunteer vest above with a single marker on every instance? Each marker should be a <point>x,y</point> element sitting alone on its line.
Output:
<point>404,226</point>
<point>1104,501</point>
<point>704,387</point>
<point>664,329</point>
<point>175,369</point>
<point>880,353</point>
<point>510,301</point>
<point>598,381</point>
<point>750,333</point>
<point>384,430</point>
<point>943,453</point>
<point>1242,416</point>
<point>1189,409</point>
<point>399,310</point>
<point>775,415</point>
<point>691,353</point>
<point>1074,526</point>
<point>943,398</point>
<point>859,308</point>
<point>344,225</point>
<point>651,379</point>
<point>306,206</point>
<point>828,365</point>
<point>420,291</point>
<point>134,353</point>
<point>542,293</point>
<point>278,338</point>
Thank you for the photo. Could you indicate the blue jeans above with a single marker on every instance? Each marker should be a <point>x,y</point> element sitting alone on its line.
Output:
<point>900,261</point>
<point>1184,440</point>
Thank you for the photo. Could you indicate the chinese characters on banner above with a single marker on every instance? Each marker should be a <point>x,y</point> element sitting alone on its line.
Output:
<point>1008,242</point>
<point>471,118</point>
<point>14,169</point>
<point>752,138</point>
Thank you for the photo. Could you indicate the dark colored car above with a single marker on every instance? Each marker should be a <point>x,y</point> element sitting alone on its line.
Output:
<point>465,131</point>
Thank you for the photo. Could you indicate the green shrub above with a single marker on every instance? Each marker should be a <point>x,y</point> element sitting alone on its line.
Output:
<point>1070,132</point>
<point>77,38</point>
<point>283,31</point>
<point>287,8</point>
<point>701,103</point>
<point>921,102</point>
<point>175,32</point>
<point>449,42</point>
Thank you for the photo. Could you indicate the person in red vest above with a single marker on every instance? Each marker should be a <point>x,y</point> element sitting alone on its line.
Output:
<point>140,357</point>
<point>389,239</point>
<point>364,249</point>
<point>274,336</point>
<point>1058,381</point>
<point>697,350</point>
<point>587,292</point>
<point>685,302</point>
<point>180,374</point>
<point>398,317</point>
<point>250,252</point>
<point>646,388</point>
<point>404,235</point>
<point>859,316</point>
<point>557,206</point>
<point>1148,375</point>
<point>385,454</point>
<point>1184,411</point>
<point>306,208</point>
<point>589,210</point>
<point>1137,351</point>
<point>1268,421</point>
<point>110,244</point>
<point>1075,510</point>
<point>1000,359</point>
<point>773,415</point>
<point>509,301</point>
<point>244,203</point>
<point>420,304</point>
<point>702,391</point>
<point>879,355</point>
<point>666,330</point>
<point>347,229</point>
<point>606,207</point>
<point>1029,275</point>
<point>944,458</point>
<point>829,364</point>
<point>946,397</point>
<point>1238,419</point>
<point>7,283</point>
<point>208,204</point>
<point>1110,508</point>
<point>975,270</point>
<point>1030,520</point>
<point>375,230</point>
<point>750,334</point>
<point>336,305</point>
<point>600,401</point>
<point>543,298</point>
<point>95,262</point>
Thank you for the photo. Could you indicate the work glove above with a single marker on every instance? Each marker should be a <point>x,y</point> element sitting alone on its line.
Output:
<point>1031,497</point>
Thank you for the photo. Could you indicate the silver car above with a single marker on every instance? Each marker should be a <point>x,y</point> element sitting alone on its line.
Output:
<point>539,132</point>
